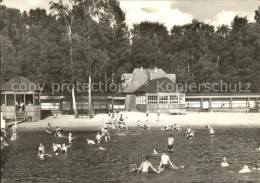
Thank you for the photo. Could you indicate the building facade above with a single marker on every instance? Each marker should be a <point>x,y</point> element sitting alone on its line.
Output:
<point>152,90</point>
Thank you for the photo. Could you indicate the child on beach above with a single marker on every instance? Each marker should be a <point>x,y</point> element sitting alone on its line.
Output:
<point>41,155</point>
<point>48,129</point>
<point>98,138</point>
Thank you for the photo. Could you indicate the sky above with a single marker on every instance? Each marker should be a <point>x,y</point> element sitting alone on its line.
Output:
<point>170,13</point>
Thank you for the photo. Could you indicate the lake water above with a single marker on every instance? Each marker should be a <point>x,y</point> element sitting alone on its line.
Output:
<point>84,163</point>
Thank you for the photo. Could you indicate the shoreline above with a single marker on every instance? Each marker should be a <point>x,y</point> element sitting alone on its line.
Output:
<point>195,120</point>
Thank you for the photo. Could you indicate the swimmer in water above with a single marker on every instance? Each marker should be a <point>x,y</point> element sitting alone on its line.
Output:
<point>224,163</point>
<point>41,148</point>
<point>41,155</point>
<point>155,152</point>
<point>70,138</point>
<point>245,169</point>
<point>106,134</point>
<point>145,166</point>
<point>98,138</point>
<point>90,141</point>
<point>64,148</point>
<point>166,128</point>
<point>59,132</point>
<point>170,143</point>
<point>55,148</point>
<point>257,166</point>
<point>177,127</point>
<point>165,162</point>
<point>211,132</point>
<point>189,133</point>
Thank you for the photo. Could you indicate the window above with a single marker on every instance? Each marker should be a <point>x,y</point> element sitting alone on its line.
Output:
<point>163,99</point>
<point>2,99</point>
<point>174,99</point>
<point>182,98</point>
<point>10,99</point>
<point>140,100</point>
<point>152,99</point>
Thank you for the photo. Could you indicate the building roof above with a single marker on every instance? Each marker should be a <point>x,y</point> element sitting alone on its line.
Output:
<point>19,83</point>
<point>141,76</point>
<point>160,85</point>
<point>126,76</point>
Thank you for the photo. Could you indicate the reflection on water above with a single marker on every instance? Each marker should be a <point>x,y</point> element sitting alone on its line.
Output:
<point>86,163</point>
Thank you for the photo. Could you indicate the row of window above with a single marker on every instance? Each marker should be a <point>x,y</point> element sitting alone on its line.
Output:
<point>161,99</point>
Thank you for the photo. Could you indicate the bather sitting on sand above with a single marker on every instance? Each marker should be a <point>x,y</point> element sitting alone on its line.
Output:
<point>48,129</point>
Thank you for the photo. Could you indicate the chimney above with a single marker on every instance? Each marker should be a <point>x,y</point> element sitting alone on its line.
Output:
<point>155,69</point>
<point>142,69</point>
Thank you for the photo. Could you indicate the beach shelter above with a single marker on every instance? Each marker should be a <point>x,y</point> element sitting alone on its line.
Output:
<point>20,99</point>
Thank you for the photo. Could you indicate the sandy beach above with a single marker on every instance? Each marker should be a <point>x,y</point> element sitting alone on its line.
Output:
<point>198,120</point>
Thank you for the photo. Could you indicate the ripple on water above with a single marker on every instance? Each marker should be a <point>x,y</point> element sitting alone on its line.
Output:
<point>200,156</point>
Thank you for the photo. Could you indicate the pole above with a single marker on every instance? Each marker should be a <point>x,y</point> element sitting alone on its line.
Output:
<point>89,96</point>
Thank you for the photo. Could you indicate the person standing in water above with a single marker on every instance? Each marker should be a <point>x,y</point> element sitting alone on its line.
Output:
<point>145,166</point>
<point>14,131</point>
<point>70,138</point>
<point>41,148</point>
<point>106,134</point>
<point>170,143</point>
<point>211,132</point>
<point>64,148</point>
<point>98,138</point>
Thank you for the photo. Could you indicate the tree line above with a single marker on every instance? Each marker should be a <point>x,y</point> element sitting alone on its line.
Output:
<point>89,40</point>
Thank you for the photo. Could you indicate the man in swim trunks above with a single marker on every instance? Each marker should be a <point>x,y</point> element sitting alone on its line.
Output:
<point>145,166</point>
<point>165,162</point>
<point>170,143</point>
